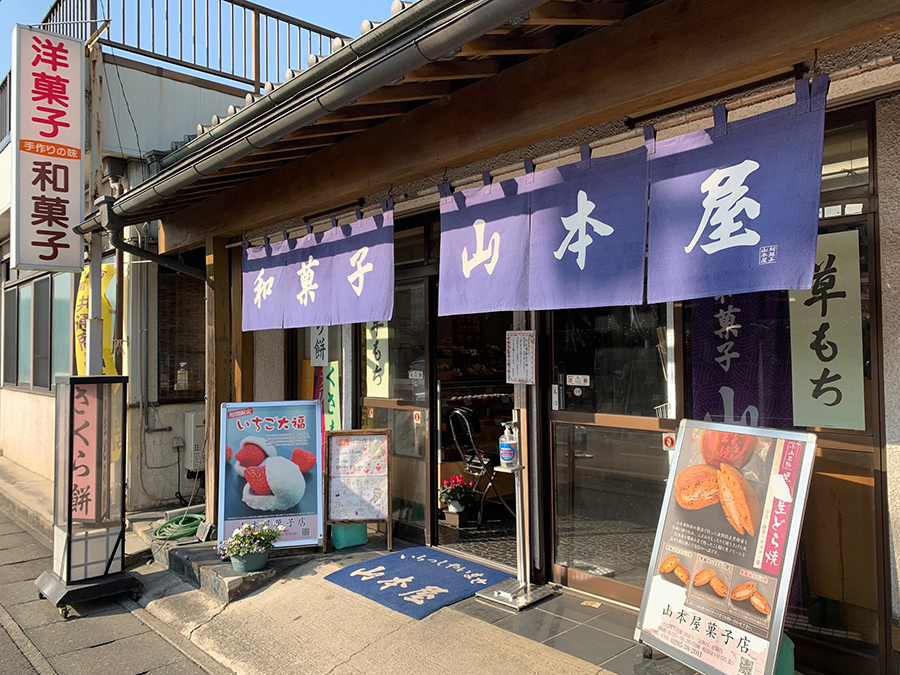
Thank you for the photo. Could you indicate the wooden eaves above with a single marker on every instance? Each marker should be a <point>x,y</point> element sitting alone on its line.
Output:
<point>665,55</point>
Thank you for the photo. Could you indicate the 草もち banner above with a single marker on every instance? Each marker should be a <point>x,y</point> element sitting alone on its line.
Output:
<point>720,574</point>
<point>47,105</point>
<point>341,276</point>
<point>270,469</point>
<point>734,209</point>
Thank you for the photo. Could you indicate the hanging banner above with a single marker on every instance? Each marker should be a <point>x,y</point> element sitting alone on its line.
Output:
<point>271,469</point>
<point>378,365</point>
<point>308,278</point>
<point>826,339</point>
<point>264,286</point>
<point>588,233</point>
<point>333,396</point>
<point>484,249</point>
<point>82,314</point>
<point>364,271</point>
<point>318,346</point>
<point>47,101</point>
<point>740,360</point>
<point>734,209</point>
<point>720,575</point>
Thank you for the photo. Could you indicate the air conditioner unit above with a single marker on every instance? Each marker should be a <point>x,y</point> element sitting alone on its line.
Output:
<point>195,441</point>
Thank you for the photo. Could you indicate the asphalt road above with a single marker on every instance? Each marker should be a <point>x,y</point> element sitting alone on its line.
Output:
<point>99,638</point>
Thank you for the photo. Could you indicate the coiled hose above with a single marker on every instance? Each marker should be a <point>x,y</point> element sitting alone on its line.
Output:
<point>179,527</point>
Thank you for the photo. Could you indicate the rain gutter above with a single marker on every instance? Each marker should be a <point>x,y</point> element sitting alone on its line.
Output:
<point>425,32</point>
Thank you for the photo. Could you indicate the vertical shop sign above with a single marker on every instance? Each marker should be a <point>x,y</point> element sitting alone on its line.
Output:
<point>47,139</point>
<point>588,233</point>
<point>740,365</point>
<point>378,364</point>
<point>264,285</point>
<point>484,249</point>
<point>826,339</point>
<point>520,356</point>
<point>720,575</point>
<point>318,346</point>
<point>307,380</point>
<point>85,467</point>
<point>734,209</point>
<point>333,396</point>
<point>308,275</point>
<point>271,469</point>
<point>363,270</point>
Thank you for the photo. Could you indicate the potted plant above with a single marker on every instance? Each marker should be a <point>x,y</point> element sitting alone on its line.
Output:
<point>457,493</point>
<point>249,546</point>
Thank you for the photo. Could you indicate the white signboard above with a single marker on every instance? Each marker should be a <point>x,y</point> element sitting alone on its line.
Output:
<point>318,346</point>
<point>377,359</point>
<point>47,140</point>
<point>826,339</point>
<point>520,357</point>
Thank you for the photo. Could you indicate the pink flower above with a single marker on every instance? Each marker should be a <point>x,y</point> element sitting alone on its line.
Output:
<point>446,483</point>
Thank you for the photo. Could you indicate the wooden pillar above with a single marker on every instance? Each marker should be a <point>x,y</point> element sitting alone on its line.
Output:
<point>241,342</point>
<point>218,361</point>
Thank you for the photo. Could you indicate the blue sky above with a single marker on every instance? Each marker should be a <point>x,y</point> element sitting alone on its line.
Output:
<point>342,16</point>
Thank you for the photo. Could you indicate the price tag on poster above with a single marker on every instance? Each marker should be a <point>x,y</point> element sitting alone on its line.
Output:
<point>727,538</point>
<point>270,469</point>
<point>358,477</point>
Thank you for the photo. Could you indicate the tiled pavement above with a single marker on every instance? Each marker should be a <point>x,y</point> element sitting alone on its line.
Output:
<point>600,635</point>
<point>99,638</point>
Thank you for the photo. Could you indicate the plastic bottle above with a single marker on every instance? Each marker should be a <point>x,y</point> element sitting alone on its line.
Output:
<point>509,446</point>
<point>181,377</point>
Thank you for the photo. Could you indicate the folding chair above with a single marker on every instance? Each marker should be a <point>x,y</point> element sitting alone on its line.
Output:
<point>464,426</point>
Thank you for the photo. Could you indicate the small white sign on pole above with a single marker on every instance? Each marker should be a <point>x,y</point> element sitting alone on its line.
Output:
<point>318,346</point>
<point>520,357</point>
<point>47,141</point>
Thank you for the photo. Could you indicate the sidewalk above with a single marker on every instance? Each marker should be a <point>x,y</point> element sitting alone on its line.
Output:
<point>312,626</point>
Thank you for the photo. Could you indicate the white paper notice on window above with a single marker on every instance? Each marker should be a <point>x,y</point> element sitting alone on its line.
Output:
<point>520,356</point>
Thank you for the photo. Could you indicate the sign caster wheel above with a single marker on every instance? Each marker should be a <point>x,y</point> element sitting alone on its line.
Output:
<point>135,596</point>
<point>41,596</point>
<point>64,613</point>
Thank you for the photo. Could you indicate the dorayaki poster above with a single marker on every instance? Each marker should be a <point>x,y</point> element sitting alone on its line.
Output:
<point>720,574</point>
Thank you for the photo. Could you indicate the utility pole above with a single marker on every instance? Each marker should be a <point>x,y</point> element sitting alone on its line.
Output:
<point>94,347</point>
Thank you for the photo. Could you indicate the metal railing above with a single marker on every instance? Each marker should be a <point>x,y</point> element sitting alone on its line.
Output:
<point>232,39</point>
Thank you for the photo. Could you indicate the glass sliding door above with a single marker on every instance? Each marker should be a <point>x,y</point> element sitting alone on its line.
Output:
<point>396,396</point>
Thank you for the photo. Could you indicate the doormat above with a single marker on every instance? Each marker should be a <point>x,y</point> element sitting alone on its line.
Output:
<point>416,581</point>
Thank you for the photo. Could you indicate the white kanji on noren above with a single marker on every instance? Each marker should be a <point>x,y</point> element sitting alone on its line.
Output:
<point>725,201</point>
<point>307,287</point>
<point>356,260</point>
<point>262,288</point>
<point>577,224</point>
<point>482,254</point>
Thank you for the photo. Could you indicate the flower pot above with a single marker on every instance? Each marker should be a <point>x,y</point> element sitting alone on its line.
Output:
<point>249,562</point>
<point>455,507</point>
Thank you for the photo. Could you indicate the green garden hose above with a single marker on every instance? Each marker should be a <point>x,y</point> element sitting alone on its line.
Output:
<point>179,527</point>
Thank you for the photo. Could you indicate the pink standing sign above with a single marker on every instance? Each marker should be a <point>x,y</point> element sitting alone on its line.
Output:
<point>84,458</point>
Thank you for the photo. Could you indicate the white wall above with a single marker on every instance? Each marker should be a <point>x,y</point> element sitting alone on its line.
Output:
<point>27,429</point>
<point>5,189</point>
<point>164,109</point>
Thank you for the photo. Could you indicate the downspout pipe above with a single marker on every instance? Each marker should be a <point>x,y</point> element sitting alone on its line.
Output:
<point>468,20</point>
<point>114,225</point>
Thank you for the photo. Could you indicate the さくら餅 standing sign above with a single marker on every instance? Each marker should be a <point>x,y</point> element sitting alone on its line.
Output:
<point>47,140</point>
<point>270,469</point>
<point>720,574</point>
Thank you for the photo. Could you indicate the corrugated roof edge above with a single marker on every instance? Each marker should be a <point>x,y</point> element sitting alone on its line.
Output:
<point>355,49</point>
<point>426,36</point>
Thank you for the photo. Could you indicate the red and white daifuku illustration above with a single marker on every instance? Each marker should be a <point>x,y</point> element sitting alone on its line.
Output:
<point>253,451</point>
<point>275,485</point>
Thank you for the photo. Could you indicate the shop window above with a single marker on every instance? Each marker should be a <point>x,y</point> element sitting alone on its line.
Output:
<point>613,360</point>
<point>845,162</point>
<point>181,337</point>
<point>37,331</point>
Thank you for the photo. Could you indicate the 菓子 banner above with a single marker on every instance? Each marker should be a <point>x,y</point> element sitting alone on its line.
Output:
<point>270,469</point>
<point>484,249</point>
<point>740,359</point>
<point>720,573</point>
<point>341,276</point>
<point>264,286</point>
<point>827,339</point>
<point>47,102</point>
<point>734,209</point>
<point>588,233</point>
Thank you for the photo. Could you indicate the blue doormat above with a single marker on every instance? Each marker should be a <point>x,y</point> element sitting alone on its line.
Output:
<point>416,581</point>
